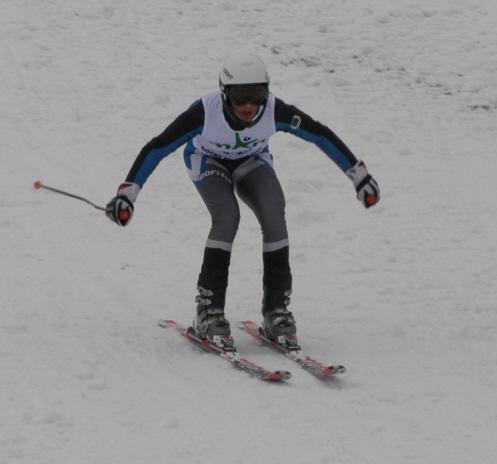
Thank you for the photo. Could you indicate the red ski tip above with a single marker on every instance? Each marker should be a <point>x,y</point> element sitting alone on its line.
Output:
<point>37,184</point>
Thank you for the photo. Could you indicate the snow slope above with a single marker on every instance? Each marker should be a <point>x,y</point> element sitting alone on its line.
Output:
<point>404,294</point>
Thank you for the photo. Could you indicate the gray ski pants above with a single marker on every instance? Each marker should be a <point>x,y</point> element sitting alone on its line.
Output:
<point>254,181</point>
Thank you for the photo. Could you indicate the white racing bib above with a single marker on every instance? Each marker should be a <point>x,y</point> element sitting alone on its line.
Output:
<point>220,141</point>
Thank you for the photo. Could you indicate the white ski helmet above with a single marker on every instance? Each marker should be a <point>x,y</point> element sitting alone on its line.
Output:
<point>243,69</point>
<point>244,75</point>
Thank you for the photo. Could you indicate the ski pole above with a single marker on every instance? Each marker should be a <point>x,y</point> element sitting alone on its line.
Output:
<point>39,185</point>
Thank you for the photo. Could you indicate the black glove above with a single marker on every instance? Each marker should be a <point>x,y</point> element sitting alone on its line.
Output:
<point>120,208</point>
<point>368,192</point>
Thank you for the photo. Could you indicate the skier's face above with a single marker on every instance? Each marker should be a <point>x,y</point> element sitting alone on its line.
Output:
<point>246,100</point>
<point>246,111</point>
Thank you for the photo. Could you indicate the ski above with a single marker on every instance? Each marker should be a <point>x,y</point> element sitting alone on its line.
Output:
<point>296,354</point>
<point>229,354</point>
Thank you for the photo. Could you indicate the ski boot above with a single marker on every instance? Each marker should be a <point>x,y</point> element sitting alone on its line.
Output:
<point>209,322</point>
<point>278,323</point>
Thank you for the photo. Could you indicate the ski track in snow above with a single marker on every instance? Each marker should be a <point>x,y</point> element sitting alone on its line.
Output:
<point>404,294</point>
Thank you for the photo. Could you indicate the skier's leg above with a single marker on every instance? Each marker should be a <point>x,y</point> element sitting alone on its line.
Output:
<point>215,186</point>
<point>258,186</point>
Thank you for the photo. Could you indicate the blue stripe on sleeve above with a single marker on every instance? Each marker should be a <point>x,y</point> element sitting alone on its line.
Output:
<point>325,144</point>
<point>155,156</point>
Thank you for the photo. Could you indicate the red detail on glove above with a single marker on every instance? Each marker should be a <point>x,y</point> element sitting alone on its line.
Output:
<point>371,200</point>
<point>123,215</point>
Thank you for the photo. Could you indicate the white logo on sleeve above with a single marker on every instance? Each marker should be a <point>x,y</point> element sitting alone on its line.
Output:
<point>296,121</point>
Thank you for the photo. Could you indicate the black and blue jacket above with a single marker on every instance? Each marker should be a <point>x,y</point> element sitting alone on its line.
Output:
<point>189,124</point>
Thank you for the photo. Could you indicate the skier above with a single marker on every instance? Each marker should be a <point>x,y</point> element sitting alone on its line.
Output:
<point>226,135</point>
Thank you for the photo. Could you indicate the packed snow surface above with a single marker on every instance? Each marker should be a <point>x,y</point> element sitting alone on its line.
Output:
<point>403,294</point>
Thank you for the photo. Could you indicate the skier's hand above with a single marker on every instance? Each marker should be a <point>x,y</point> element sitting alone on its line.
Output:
<point>120,208</point>
<point>368,192</point>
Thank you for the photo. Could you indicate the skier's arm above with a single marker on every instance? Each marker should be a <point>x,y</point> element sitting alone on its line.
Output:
<point>290,119</point>
<point>186,126</point>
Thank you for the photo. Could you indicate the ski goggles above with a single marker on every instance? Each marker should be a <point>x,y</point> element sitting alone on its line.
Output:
<point>243,94</point>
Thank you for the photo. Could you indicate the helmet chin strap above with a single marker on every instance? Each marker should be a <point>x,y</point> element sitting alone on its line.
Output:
<point>260,110</point>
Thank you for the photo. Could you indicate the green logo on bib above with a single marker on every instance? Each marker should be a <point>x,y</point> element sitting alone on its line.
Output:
<point>247,142</point>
